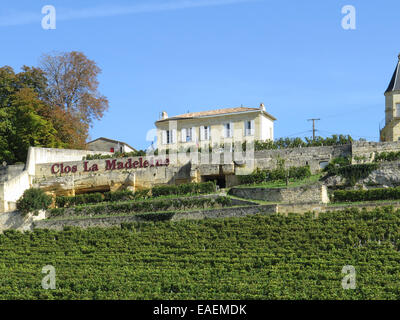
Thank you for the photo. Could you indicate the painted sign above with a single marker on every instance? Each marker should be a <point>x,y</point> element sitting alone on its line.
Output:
<point>110,164</point>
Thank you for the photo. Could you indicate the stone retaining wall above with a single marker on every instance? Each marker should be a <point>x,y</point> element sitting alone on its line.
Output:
<point>366,151</point>
<point>315,193</point>
<point>192,215</point>
<point>285,209</point>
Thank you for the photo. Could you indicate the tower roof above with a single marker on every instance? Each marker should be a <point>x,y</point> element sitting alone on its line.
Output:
<point>395,82</point>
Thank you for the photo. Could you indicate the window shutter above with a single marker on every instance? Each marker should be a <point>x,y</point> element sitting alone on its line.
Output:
<point>245,129</point>
<point>164,137</point>
<point>201,133</point>
<point>183,135</point>
<point>252,130</point>
<point>173,136</point>
<point>209,132</point>
<point>231,129</point>
<point>194,136</point>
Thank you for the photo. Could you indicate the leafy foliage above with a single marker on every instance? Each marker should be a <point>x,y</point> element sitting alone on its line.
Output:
<point>72,95</point>
<point>33,200</point>
<point>284,143</point>
<point>337,162</point>
<point>366,195</point>
<point>100,156</point>
<point>133,207</point>
<point>258,257</point>
<point>281,143</point>
<point>353,173</point>
<point>261,176</point>
<point>126,195</point>
<point>23,116</point>
<point>182,189</point>
<point>50,107</point>
<point>387,156</point>
<point>63,201</point>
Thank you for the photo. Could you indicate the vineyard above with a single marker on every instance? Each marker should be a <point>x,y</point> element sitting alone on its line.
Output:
<point>258,257</point>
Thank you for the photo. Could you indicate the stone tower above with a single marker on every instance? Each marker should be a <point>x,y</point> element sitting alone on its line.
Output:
<point>391,131</point>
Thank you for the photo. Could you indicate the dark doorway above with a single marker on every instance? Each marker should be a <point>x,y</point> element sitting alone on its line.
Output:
<point>220,180</point>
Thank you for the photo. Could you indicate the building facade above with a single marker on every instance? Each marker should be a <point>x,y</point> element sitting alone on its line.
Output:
<point>391,131</point>
<point>109,145</point>
<point>214,128</point>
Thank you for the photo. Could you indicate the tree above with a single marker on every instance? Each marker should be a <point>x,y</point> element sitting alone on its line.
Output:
<point>72,95</point>
<point>29,128</point>
<point>21,123</point>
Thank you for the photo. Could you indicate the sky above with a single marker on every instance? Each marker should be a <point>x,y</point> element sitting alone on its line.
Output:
<point>195,55</point>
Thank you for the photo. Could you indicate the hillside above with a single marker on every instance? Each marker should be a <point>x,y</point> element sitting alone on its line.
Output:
<point>257,257</point>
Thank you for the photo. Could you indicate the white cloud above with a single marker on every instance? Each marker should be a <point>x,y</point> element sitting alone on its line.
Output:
<point>64,14</point>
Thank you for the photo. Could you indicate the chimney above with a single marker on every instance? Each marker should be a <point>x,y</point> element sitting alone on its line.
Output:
<point>262,107</point>
<point>164,115</point>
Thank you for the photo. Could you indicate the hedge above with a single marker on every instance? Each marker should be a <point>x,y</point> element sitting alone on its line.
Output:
<point>366,195</point>
<point>142,206</point>
<point>92,198</point>
<point>182,189</point>
<point>125,195</point>
<point>260,176</point>
<point>33,200</point>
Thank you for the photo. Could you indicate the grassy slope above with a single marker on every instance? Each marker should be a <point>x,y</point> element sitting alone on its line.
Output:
<point>263,257</point>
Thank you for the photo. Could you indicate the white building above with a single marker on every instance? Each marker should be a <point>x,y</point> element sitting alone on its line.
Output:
<point>214,127</point>
<point>109,145</point>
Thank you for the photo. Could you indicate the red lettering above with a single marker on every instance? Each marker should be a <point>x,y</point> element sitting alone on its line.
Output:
<point>74,169</point>
<point>94,168</point>
<point>140,163</point>
<point>120,165</point>
<point>67,169</point>
<point>128,164</point>
<point>110,165</point>
<point>85,168</point>
<point>167,162</point>
<point>145,164</point>
<point>53,167</point>
<point>135,164</point>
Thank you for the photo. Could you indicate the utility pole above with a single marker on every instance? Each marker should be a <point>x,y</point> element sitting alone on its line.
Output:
<point>313,127</point>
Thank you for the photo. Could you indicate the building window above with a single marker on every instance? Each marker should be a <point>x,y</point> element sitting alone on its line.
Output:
<point>249,128</point>
<point>205,132</point>
<point>169,136</point>
<point>189,135</point>
<point>228,130</point>
<point>398,110</point>
<point>111,149</point>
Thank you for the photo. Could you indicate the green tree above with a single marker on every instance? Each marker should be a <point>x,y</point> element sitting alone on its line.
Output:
<point>21,123</point>
<point>29,128</point>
